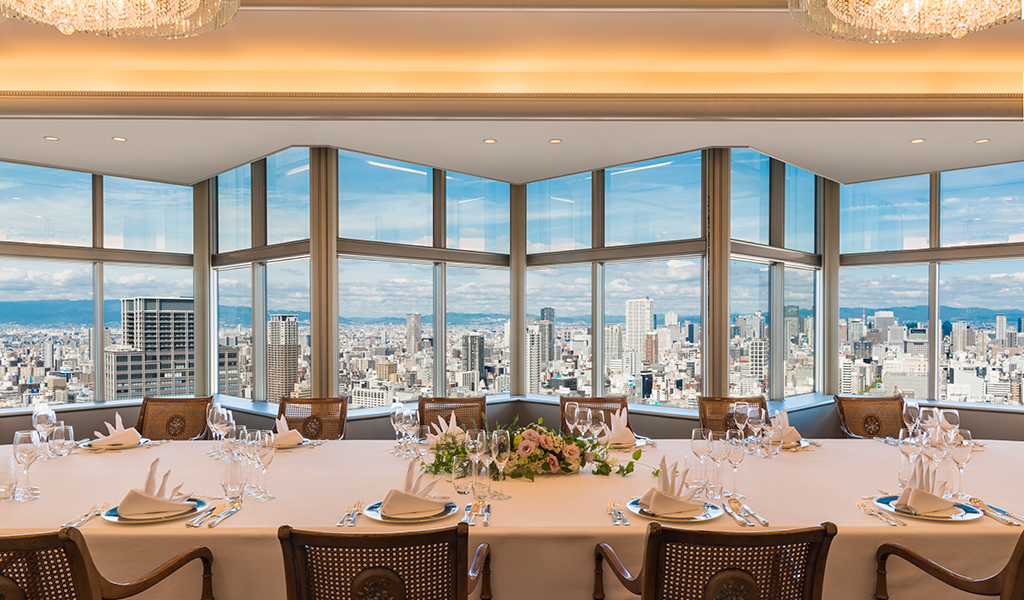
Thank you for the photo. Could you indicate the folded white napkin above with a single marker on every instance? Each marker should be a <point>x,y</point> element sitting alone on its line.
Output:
<point>286,437</point>
<point>153,502</point>
<point>789,434</point>
<point>672,497</point>
<point>922,495</point>
<point>414,501</point>
<point>619,434</point>
<point>118,435</point>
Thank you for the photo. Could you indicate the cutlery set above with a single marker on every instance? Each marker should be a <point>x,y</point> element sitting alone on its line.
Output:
<point>1003,516</point>
<point>867,507</point>
<point>85,517</point>
<point>473,510</point>
<point>354,510</point>
<point>742,511</point>
<point>201,519</point>
<point>614,509</point>
<point>236,505</point>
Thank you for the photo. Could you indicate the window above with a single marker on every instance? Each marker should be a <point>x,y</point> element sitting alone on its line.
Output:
<point>234,209</point>
<point>750,315</point>
<point>288,354</point>
<point>653,201</point>
<point>45,206</point>
<point>234,329</point>
<point>558,214</point>
<point>800,209</point>
<point>386,331</point>
<point>884,215</point>
<point>879,309</point>
<point>982,206</point>
<point>750,185</point>
<point>798,320</point>
<point>478,213</point>
<point>652,331</point>
<point>142,215</point>
<point>558,342</point>
<point>478,331</point>
<point>384,200</point>
<point>288,196</point>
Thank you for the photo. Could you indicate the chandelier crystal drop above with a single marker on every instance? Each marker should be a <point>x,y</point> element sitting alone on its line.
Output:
<point>880,21</point>
<point>144,19</point>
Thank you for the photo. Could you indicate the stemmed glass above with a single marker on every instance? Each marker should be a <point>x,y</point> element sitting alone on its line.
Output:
<point>910,448</point>
<point>755,420</point>
<point>737,449</point>
<point>572,415</point>
<point>263,440</point>
<point>26,451</point>
<point>911,415</point>
<point>700,445</point>
<point>960,449</point>
<point>739,414</point>
<point>583,420</point>
<point>719,451</point>
<point>218,419</point>
<point>62,440</point>
<point>772,439</point>
<point>421,441</point>
<point>501,450</point>
<point>598,427</point>
<point>247,448</point>
<point>949,420</point>
<point>929,418</point>
<point>397,410</point>
<point>409,423</point>
<point>44,420</point>
<point>474,447</point>
<point>935,448</point>
<point>486,455</point>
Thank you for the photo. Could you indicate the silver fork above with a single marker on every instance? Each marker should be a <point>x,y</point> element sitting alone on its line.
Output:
<point>876,513</point>
<point>102,509</point>
<point>622,514</point>
<point>348,513</point>
<point>71,522</point>
<point>609,508</point>
<point>355,513</point>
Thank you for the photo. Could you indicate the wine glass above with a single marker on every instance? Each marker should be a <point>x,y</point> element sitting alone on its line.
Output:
<point>737,449</point>
<point>26,451</point>
<point>911,414</point>
<point>598,427</point>
<point>739,414</point>
<point>719,451</point>
<point>397,410</point>
<point>960,448</point>
<point>501,450</point>
<point>949,420</point>
<point>421,441</point>
<point>909,450</point>
<point>247,445</point>
<point>474,444</point>
<point>44,420</point>
<point>755,420</point>
<point>486,456</point>
<point>772,439</point>
<point>265,449</point>
<point>583,419</point>
<point>571,415</point>
<point>409,423</point>
<point>62,440</point>
<point>929,418</point>
<point>700,445</point>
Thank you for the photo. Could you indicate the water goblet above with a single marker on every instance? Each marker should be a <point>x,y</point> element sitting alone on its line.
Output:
<point>26,451</point>
<point>233,479</point>
<point>737,450</point>
<point>501,450</point>
<point>462,474</point>
<point>739,414</point>
<point>8,479</point>
<point>700,445</point>
<point>583,420</point>
<point>960,449</point>
<point>62,440</point>
<point>571,415</point>
<point>265,450</point>
<point>911,414</point>
<point>755,420</point>
<point>949,420</point>
<point>44,420</point>
<point>929,418</point>
<point>397,410</point>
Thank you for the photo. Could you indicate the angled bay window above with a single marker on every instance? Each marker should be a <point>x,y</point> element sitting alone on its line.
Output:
<point>478,332</point>
<point>653,201</point>
<point>384,200</point>
<point>982,206</point>
<point>234,331</point>
<point>558,341</point>
<point>477,213</point>
<point>288,196</point>
<point>289,367</point>
<point>45,206</point>
<point>800,209</point>
<point>884,215</point>
<point>750,184</point>
<point>558,213</point>
<point>143,215</point>
<point>799,318</point>
<point>750,318</point>
<point>234,209</point>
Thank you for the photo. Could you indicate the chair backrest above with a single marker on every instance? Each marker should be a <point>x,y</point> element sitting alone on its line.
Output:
<point>426,565</point>
<point>781,565</point>
<point>470,413</point>
<point>714,411</point>
<point>870,416</point>
<point>173,418</point>
<point>315,418</point>
<point>47,566</point>
<point>606,405</point>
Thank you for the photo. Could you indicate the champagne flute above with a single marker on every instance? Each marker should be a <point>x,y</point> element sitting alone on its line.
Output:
<point>571,415</point>
<point>960,451</point>
<point>26,451</point>
<point>737,449</point>
<point>501,450</point>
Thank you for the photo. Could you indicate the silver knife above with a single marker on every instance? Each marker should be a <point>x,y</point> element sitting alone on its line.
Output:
<point>487,515</point>
<point>622,515</point>
<point>465,515</point>
<point>472,518</point>
<point>198,520</point>
<point>216,521</point>
<point>732,513</point>
<point>750,512</point>
<point>1006,513</point>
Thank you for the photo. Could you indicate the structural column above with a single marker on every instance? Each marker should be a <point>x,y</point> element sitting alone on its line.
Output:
<point>96,350</point>
<point>827,326</point>
<point>715,318</point>
<point>323,269</point>
<point>203,292</point>
<point>597,356</point>
<point>517,287</point>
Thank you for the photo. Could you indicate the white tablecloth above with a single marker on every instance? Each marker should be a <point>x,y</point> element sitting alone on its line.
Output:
<point>542,540</point>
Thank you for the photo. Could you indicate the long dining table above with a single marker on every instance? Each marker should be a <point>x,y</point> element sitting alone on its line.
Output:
<point>542,539</point>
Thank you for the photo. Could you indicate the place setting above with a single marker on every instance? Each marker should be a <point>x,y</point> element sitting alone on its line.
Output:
<point>414,503</point>
<point>154,502</point>
<point>117,438</point>
<point>671,499</point>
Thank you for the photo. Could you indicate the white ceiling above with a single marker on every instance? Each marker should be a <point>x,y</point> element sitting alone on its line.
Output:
<point>365,51</point>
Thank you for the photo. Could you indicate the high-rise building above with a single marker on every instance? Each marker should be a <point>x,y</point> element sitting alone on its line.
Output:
<point>612,341</point>
<point>884,319</point>
<point>547,341</point>
<point>413,332</point>
<point>855,330</point>
<point>1001,329</point>
<point>671,319</point>
<point>958,337</point>
<point>282,356</point>
<point>639,321</point>
<point>533,360</point>
<point>547,314</point>
<point>651,347</point>
<point>473,353</point>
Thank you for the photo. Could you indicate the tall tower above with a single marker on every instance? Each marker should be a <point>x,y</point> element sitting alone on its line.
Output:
<point>157,350</point>
<point>547,314</point>
<point>1001,330</point>
<point>612,342</point>
<point>533,362</point>
<point>282,356</point>
<point>473,354</point>
<point>639,321</point>
<point>412,332</point>
<point>547,341</point>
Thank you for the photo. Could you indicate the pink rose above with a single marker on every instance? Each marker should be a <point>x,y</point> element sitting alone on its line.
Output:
<point>531,434</point>
<point>552,461</point>
<point>571,452</point>
<point>590,457</point>
<point>526,448</point>
<point>546,442</point>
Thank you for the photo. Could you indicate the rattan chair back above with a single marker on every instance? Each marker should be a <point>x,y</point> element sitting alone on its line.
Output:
<point>714,411</point>
<point>870,416</point>
<point>606,405</point>
<point>420,565</point>
<point>470,413</point>
<point>57,566</point>
<point>690,563</point>
<point>173,418</point>
<point>315,418</point>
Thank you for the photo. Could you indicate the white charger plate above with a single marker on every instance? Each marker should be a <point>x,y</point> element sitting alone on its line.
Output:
<point>711,511</point>
<point>112,516</point>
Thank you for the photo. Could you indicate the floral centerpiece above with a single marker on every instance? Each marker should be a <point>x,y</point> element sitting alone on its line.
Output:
<point>535,450</point>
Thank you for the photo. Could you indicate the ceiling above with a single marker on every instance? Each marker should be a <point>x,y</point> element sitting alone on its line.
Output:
<point>615,82</point>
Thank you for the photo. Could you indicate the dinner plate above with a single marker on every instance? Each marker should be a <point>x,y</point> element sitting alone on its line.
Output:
<point>88,445</point>
<point>112,516</point>
<point>373,511</point>
<point>796,445</point>
<point>967,512</point>
<point>293,446</point>
<point>640,443</point>
<point>711,511</point>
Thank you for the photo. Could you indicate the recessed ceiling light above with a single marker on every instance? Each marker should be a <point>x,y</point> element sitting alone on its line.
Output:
<point>982,141</point>
<point>555,141</point>
<point>51,138</point>
<point>490,141</point>
<point>119,139</point>
<point>917,141</point>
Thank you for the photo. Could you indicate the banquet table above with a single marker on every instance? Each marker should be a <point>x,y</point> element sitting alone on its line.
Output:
<point>542,539</point>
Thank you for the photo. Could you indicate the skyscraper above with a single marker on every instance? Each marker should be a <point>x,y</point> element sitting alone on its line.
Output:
<point>639,321</point>
<point>1001,329</point>
<point>547,342</point>
<point>547,314</point>
<point>651,347</point>
<point>884,319</point>
<point>473,354</point>
<point>612,342</point>
<point>533,362</point>
<point>412,332</point>
<point>282,356</point>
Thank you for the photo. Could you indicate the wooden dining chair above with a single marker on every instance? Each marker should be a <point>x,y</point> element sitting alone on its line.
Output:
<point>173,418</point>
<point>57,566</point>
<point>315,418</point>
<point>1008,583</point>
<point>869,417</point>
<point>690,563</point>
<point>714,411</point>
<point>606,405</point>
<point>470,413</point>
<point>425,565</point>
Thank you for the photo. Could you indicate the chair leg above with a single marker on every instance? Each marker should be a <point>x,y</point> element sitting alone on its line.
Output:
<point>598,578</point>
<point>207,580</point>
<point>881,593</point>
<point>485,589</point>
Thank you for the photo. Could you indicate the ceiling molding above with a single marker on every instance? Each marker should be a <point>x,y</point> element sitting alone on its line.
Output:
<point>511,105</point>
<point>506,5</point>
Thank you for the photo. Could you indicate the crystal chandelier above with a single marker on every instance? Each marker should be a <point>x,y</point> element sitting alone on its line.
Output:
<point>148,19</point>
<point>901,20</point>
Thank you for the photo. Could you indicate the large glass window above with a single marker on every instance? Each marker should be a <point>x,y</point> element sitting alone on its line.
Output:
<point>798,319</point>
<point>883,331</point>
<point>384,200</point>
<point>386,331</point>
<point>558,214</point>
<point>45,206</point>
<point>748,332</point>
<point>653,201</point>
<point>150,314</point>
<point>800,209</point>
<point>558,342</point>
<point>234,209</point>
<point>142,215</point>
<point>478,213</point>
<point>478,331</point>
<point>879,216</point>
<point>652,331</point>
<point>751,185</point>
<point>234,331</point>
<point>289,368</point>
<point>982,319</point>
<point>288,196</point>
<point>45,333</point>
<point>983,206</point>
